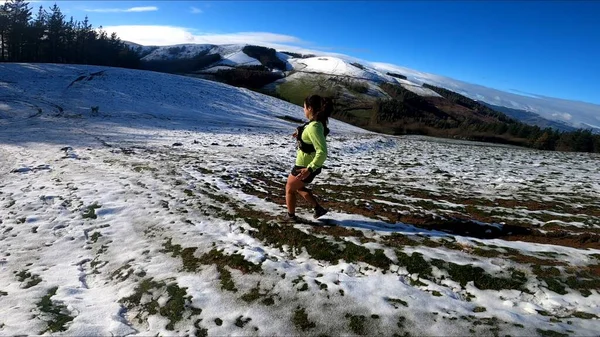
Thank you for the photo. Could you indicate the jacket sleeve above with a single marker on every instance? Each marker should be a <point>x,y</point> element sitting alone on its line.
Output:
<point>316,135</point>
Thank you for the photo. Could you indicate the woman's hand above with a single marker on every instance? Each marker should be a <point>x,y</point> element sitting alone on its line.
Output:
<point>303,174</point>
<point>295,134</point>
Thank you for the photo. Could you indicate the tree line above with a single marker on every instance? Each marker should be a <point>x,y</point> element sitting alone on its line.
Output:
<point>49,38</point>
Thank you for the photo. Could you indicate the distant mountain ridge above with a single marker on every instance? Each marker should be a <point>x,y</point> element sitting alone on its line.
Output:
<point>542,111</point>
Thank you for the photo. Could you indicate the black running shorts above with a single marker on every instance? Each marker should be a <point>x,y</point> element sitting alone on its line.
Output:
<point>309,179</point>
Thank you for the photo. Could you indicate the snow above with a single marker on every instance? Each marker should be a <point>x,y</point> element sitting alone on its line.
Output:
<point>334,66</point>
<point>183,51</point>
<point>58,158</point>
<point>239,58</point>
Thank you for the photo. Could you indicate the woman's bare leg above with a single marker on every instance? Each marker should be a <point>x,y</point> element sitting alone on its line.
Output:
<point>308,196</point>
<point>292,186</point>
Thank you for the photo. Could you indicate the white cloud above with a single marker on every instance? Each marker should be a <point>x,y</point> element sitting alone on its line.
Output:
<point>565,116</point>
<point>196,10</point>
<point>121,10</point>
<point>170,35</point>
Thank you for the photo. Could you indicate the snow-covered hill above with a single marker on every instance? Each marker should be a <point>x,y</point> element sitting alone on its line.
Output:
<point>573,113</point>
<point>135,203</point>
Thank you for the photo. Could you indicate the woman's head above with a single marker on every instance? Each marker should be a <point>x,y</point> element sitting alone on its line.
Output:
<point>317,108</point>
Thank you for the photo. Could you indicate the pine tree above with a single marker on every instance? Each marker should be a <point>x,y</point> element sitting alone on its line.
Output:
<point>56,32</point>
<point>18,17</point>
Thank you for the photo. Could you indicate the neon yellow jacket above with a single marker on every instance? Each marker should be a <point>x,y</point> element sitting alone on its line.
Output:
<point>314,133</point>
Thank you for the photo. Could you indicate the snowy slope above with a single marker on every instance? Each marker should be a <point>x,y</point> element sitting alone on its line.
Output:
<point>137,219</point>
<point>173,100</point>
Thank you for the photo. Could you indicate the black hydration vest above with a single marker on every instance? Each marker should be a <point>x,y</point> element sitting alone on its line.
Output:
<point>306,147</point>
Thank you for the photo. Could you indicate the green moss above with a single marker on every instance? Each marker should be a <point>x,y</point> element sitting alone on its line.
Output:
<point>479,309</point>
<point>436,293</point>
<point>3,293</point>
<point>300,320</point>
<point>218,321</point>
<point>58,319</point>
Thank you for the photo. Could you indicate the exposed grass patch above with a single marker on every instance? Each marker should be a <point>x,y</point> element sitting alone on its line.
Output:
<point>147,298</point>
<point>318,248</point>
<point>119,273</point>
<point>399,240</point>
<point>485,252</point>
<point>90,211</point>
<point>58,319</point>
<point>479,309</point>
<point>33,279</point>
<point>140,168</point>
<point>415,264</point>
<point>191,263</point>
<point>95,236</point>
<point>482,280</point>
<point>175,305</point>
<point>254,294</point>
<point>357,323</point>
<point>395,301</point>
<point>235,261</point>
<point>550,333</point>
<point>3,293</point>
<point>584,315</point>
<point>301,321</point>
<point>240,322</point>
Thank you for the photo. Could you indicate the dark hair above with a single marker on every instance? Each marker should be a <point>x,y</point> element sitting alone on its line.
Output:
<point>322,107</point>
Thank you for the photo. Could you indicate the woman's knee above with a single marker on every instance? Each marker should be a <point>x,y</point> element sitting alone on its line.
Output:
<point>293,184</point>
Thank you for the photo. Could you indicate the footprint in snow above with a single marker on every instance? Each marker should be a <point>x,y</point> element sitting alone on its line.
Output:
<point>27,168</point>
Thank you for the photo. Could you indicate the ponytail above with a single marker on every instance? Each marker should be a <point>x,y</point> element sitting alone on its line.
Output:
<point>322,108</point>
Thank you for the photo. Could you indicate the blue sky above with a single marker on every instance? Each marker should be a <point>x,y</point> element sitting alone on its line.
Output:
<point>549,48</point>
